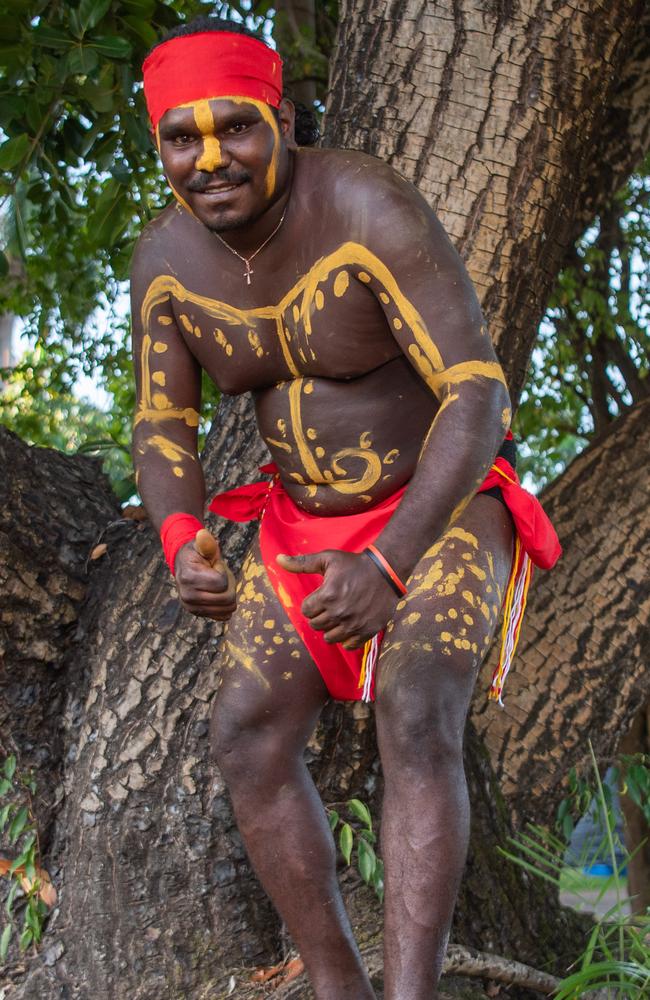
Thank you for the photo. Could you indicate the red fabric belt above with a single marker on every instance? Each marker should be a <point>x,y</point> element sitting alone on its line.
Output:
<point>286,528</point>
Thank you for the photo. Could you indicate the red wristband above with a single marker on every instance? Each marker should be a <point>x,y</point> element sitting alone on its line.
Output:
<point>175,531</point>
<point>385,567</point>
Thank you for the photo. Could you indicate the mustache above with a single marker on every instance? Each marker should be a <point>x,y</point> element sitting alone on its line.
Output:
<point>204,180</point>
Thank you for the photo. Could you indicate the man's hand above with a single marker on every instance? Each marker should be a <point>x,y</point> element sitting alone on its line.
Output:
<point>353,603</point>
<point>205,584</point>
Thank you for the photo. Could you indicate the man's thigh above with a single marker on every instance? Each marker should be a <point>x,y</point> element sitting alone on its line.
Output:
<point>443,627</point>
<point>266,674</point>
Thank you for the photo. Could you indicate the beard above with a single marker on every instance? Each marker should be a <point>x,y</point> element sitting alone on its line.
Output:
<point>229,218</point>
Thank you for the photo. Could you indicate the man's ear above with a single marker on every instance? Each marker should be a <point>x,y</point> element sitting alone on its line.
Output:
<point>287,119</point>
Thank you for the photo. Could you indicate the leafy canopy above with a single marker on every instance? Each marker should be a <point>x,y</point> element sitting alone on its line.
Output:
<point>79,178</point>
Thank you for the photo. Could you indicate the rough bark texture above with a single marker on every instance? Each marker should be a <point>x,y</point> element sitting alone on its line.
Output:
<point>637,827</point>
<point>495,110</point>
<point>582,668</point>
<point>52,510</point>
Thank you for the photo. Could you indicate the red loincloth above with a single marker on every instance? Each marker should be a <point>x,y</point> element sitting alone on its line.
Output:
<point>284,528</point>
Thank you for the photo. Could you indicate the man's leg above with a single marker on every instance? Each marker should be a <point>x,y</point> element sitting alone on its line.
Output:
<point>427,669</point>
<point>269,701</point>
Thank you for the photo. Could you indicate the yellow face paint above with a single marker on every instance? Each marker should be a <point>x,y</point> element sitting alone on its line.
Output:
<point>211,157</point>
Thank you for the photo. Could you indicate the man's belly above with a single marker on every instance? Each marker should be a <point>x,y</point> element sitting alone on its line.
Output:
<point>342,446</point>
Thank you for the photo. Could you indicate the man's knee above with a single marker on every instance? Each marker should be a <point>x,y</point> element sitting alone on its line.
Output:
<point>421,717</point>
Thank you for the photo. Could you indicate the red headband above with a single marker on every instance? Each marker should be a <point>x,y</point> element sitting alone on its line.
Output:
<point>210,64</point>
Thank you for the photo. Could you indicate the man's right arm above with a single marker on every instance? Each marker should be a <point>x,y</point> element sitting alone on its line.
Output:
<point>168,471</point>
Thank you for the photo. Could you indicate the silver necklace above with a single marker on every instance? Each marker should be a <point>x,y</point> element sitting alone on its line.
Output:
<point>247,260</point>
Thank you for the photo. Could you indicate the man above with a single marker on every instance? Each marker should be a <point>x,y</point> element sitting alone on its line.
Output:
<point>322,282</point>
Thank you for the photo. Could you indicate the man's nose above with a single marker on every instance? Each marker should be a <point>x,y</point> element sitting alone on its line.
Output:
<point>212,156</point>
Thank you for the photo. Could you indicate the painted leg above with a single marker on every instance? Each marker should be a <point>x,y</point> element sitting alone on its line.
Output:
<point>427,669</point>
<point>268,704</point>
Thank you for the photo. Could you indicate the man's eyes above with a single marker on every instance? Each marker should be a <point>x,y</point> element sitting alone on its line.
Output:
<point>239,127</point>
<point>184,139</point>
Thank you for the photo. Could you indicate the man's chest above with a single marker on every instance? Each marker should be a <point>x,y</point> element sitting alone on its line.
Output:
<point>318,318</point>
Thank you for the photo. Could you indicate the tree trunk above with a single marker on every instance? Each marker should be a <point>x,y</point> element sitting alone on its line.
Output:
<point>494,110</point>
<point>45,545</point>
<point>582,665</point>
<point>637,827</point>
<point>494,121</point>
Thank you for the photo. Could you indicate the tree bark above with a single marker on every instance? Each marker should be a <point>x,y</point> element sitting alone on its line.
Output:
<point>492,111</point>
<point>581,669</point>
<point>637,827</point>
<point>45,544</point>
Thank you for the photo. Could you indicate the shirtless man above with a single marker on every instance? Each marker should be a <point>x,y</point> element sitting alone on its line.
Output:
<point>321,281</point>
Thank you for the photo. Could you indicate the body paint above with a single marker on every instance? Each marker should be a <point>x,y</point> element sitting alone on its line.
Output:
<point>155,407</point>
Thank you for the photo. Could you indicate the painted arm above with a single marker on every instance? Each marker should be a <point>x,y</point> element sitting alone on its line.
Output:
<point>434,315</point>
<point>165,427</point>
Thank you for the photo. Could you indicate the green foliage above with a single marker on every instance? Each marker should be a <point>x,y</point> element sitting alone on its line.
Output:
<point>27,882</point>
<point>79,177</point>
<point>358,830</point>
<point>616,955</point>
<point>632,772</point>
<point>592,356</point>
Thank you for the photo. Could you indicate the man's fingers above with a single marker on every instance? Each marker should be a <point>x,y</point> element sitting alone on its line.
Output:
<point>354,642</point>
<point>207,546</point>
<point>310,562</point>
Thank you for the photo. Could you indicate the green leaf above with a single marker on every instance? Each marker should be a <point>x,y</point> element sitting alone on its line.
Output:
<point>91,12</point>
<point>111,217</point>
<point>26,938</point>
<point>367,861</point>
<point>143,8</point>
<point>4,941</point>
<point>24,855</point>
<point>10,766</point>
<point>12,895</point>
<point>5,784</point>
<point>18,824</point>
<point>9,29</point>
<point>346,841</point>
<point>143,30</point>
<point>333,819</point>
<point>111,45</point>
<point>82,60</point>
<point>52,38</point>
<point>4,815</point>
<point>361,811</point>
<point>368,836</point>
<point>13,151</point>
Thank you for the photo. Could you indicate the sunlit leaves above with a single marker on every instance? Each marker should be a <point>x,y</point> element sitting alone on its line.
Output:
<point>592,356</point>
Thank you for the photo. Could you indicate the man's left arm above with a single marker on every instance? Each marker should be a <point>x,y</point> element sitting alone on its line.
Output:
<point>437,322</point>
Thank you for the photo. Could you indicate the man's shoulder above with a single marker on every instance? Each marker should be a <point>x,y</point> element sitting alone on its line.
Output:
<point>360,170</point>
<point>159,238</point>
<point>355,184</point>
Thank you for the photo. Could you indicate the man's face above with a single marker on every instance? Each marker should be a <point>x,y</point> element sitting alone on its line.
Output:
<point>226,159</point>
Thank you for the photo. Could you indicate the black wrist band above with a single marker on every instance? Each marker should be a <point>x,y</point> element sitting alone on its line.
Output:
<point>387,578</point>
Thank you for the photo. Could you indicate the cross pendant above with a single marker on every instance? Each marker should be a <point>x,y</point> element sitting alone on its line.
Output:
<point>248,273</point>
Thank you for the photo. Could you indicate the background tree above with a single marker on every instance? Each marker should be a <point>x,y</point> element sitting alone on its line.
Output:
<point>518,125</point>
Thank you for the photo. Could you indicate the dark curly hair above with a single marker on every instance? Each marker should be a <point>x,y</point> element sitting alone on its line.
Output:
<point>306,129</point>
